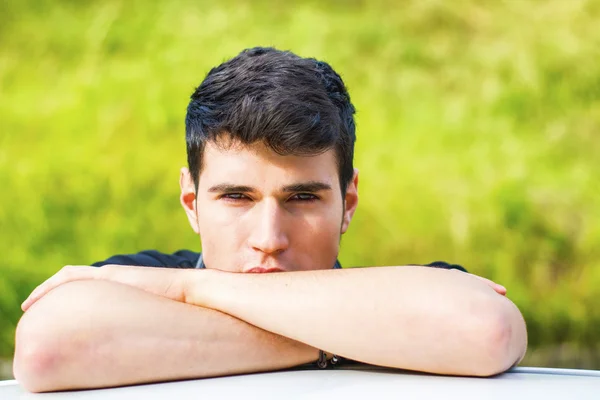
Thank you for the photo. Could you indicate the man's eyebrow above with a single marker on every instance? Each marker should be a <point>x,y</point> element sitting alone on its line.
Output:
<point>309,187</point>
<point>230,188</point>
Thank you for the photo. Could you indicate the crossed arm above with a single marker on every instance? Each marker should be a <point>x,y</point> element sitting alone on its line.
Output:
<point>121,325</point>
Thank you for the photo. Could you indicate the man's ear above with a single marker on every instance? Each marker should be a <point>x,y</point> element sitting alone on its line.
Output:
<point>188,198</point>
<point>350,201</point>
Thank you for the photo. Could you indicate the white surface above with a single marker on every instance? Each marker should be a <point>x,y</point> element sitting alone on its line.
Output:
<point>352,382</point>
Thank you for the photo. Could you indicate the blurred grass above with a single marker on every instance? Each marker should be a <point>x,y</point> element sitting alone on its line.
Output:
<point>478,137</point>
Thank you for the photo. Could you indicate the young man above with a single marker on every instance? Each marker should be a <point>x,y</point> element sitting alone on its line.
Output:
<point>270,188</point>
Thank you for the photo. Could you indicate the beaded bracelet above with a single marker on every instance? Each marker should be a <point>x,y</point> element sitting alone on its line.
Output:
<point>322,361</point>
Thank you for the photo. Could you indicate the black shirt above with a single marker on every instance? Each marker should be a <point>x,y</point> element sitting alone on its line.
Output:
<point>190,259</point>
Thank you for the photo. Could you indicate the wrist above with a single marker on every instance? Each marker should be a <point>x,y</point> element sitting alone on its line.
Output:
<point>202,288</point>
<point>195,286</point>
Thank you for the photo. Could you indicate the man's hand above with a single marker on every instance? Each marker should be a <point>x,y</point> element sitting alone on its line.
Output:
<point>165,282</point>
<point>498,288</point>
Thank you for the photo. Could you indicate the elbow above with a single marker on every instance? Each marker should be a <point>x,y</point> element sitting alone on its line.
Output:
<point>49,347</point>
<point>36,361</point>
<point>502,339</point>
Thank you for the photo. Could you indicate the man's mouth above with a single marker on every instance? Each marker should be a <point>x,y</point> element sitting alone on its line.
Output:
<point>261,270</point>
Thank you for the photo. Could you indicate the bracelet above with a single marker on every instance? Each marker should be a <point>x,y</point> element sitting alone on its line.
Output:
<point>322,361</point>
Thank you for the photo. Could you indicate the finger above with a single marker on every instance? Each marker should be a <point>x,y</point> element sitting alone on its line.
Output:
<point>66,274</point>
<point>40,290</point>
<point>500,289</point>
<point>30,299</point>
<point>497,287</point>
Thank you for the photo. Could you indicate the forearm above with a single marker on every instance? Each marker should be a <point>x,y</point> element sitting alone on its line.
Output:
<point>91,334</point>
<point>405,317</point>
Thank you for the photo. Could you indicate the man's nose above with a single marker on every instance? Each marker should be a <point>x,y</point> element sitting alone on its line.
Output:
<point>269,235</point>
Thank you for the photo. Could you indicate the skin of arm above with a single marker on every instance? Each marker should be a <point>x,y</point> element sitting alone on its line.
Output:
<point>414,318</point>
<point>115,334</point>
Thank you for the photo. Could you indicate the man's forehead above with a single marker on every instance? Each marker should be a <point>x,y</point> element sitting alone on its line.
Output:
<point>257,162</point>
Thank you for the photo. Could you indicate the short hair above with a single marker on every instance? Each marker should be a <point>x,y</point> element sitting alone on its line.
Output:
<point>294,105</point>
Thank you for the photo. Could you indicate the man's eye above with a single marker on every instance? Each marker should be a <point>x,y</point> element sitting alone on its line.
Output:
<point>234,196</point>
<point>307,197</point>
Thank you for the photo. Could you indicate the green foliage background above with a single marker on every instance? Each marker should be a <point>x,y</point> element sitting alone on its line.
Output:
<point>478,136</point>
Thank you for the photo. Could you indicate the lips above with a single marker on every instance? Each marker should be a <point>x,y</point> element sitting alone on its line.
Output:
<point>260,270</point>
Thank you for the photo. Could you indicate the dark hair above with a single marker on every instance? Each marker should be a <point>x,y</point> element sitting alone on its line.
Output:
<point>294,105</point>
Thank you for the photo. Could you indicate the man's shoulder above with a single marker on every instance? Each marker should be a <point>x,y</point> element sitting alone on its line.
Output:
<point>154,258</point>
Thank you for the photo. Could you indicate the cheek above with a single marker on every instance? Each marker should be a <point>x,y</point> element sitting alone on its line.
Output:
<point>220,229</point>
<point>213,215</point>
<point>318,235</point>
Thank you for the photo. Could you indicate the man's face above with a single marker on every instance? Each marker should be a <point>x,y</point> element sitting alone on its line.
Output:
<point>258,211</point>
